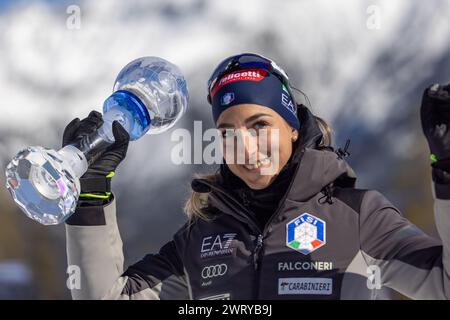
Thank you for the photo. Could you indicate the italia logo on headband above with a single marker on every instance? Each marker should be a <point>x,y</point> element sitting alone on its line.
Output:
<point>227,98</point>
<point>241,75</point>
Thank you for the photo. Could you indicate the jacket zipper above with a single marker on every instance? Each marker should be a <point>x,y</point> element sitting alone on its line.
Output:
<point>257,257</point>
<point>256,262</point>
<point>258,247</point>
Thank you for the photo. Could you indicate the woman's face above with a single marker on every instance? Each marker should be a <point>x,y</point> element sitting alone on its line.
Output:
<point>257,143</point>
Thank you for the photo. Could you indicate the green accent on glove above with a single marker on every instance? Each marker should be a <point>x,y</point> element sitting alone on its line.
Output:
<point>106,195</point>
<point>99,195</point>
<point>433,158</point>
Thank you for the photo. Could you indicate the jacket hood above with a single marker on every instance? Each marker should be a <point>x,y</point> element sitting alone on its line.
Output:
<point>318,169</point>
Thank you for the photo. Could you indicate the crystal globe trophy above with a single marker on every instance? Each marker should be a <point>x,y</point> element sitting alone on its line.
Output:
<point>149,96</point>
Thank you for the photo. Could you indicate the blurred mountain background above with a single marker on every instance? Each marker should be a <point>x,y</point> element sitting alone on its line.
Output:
<point>363,64</point>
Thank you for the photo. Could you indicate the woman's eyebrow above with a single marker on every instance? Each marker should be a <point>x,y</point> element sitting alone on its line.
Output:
<point>256,116</point>
<point>249,119</point>
<point>225,125</point>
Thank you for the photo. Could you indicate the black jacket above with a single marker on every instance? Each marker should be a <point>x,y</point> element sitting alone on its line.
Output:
<point>326,240</point>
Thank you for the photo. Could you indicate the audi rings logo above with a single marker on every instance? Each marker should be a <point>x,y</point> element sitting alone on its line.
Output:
<point>217,270</point>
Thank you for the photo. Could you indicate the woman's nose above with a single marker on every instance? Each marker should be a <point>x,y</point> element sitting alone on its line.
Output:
<point>247,145</point>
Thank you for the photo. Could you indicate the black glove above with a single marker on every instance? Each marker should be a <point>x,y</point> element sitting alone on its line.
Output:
<point>435,118</point>
<point>96,182</point>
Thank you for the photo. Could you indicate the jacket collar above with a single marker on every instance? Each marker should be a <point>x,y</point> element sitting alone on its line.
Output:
<point>317,169</point>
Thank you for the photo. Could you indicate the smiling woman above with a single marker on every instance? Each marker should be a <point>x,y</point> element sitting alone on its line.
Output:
<point>300,231</point>
<point>254,108</point>
<point>258,119</point>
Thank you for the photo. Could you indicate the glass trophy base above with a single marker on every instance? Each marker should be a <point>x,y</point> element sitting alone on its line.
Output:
<point>44,183</point>
<point>150,94</point>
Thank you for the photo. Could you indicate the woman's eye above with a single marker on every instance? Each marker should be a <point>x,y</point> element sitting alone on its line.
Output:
<point>261,124</point>
<point>227,133</point>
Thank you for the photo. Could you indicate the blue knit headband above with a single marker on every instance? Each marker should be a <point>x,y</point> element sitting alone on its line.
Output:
<point>255,86</point>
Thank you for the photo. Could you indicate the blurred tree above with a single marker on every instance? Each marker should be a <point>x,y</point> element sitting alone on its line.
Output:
<point>25,241</point>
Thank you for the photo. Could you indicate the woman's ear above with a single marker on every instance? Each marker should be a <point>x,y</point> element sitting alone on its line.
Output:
<point>294,135</point>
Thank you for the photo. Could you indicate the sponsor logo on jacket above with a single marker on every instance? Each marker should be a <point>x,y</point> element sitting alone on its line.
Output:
<point>217,245</point>
<point>305,265</point>
<point>306,233</point>
<point>214,271</point>
<point>318,286</point>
